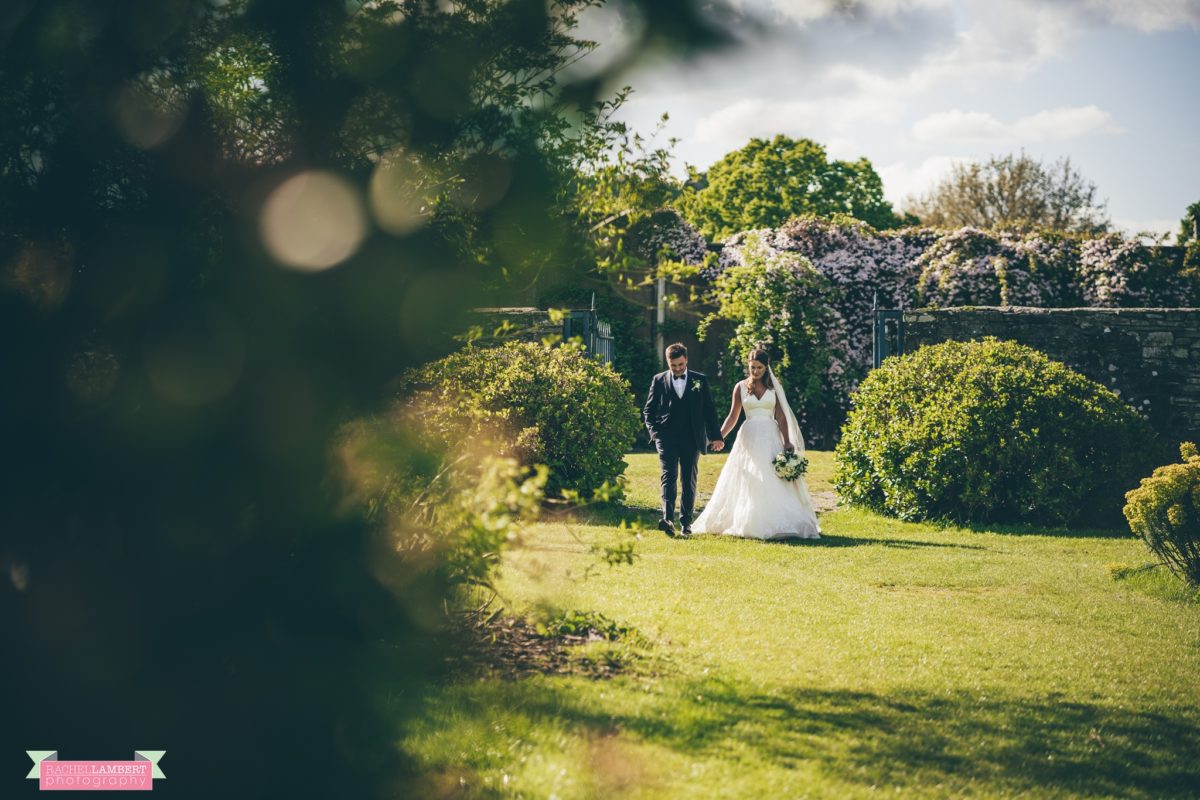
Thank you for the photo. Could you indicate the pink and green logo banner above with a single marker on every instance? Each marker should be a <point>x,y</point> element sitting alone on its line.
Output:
<point>107,776</point>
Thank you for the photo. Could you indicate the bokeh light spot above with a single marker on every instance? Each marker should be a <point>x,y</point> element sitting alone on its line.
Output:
<point>41,274</point>
<point>313,221</point>
<point>145,119</point>
<point>18,573</point>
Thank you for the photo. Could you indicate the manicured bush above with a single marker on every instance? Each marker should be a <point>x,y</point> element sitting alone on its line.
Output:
<point>543,405</point>
<point>990,431</point>
<point>1165,513</point>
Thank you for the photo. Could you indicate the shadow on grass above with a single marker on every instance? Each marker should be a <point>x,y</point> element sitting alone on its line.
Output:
<point>959,742</point>
<point>611,515</point>
<point>606,514</point>
<point>1156,580</point>
<point>851,541</point>
<point>1027,529</point>
<point>1010,529</point>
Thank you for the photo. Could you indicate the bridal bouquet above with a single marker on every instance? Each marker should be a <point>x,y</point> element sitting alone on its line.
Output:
<point>789,465</point>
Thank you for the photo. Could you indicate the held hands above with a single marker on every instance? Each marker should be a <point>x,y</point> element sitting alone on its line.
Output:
<point>717,445</point>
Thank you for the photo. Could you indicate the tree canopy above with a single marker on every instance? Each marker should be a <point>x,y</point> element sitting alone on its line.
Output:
<point>765,183</point>
<point>1014,192</point>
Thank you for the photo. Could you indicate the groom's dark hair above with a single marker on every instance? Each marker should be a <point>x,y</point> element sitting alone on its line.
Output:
<point>676,350</point>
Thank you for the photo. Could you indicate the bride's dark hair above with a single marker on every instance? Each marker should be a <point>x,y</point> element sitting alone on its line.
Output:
<point>763,357</point>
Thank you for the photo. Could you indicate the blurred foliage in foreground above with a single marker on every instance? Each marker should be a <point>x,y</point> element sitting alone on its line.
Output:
<point>224,227</point>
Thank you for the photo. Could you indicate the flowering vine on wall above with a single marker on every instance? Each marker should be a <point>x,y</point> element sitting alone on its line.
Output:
<point>921,267</point>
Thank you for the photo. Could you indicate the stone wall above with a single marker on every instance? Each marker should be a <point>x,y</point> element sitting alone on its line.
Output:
<point>1149,356</point>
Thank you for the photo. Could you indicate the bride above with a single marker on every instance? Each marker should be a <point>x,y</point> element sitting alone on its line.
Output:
<point>750,500</point>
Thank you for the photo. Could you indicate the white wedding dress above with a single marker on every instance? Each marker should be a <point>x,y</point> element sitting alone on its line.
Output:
<point>750,500</point>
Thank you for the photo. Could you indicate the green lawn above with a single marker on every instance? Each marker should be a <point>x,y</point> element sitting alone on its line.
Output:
<point>886,659</point>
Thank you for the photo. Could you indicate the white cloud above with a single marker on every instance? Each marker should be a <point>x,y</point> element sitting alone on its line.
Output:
<point>915,45</point>
<point>981,39</point>
<point>1153,227</point>
<point>800,11</point>
<point>844,148</point>
<point>1065,123</point>
<point>902,180</point>
<point>863,76</point>
<point>731,126</point>
<point>862,62</point>
<point>958,126</point>
<point>958,64</point>
<point>745,119</point>
<point>825,120</point>
<point>1054,124</point>
<point>805,11</point>
<point>616,28</point>
<point>1148,16</point>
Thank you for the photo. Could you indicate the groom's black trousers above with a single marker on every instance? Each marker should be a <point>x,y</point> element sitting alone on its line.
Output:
<point>678,462</point>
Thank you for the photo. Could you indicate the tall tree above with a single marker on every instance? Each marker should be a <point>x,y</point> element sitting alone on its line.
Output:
<point>765,183</point>
<point>1015,192</point>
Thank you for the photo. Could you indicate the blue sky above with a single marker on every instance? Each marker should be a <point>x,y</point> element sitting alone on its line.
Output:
<point>915,85</point>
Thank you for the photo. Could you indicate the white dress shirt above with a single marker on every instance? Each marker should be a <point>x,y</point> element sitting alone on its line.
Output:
<point>680,384</point>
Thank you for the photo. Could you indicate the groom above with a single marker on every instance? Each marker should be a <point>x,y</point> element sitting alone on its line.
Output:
<point>680,417</point>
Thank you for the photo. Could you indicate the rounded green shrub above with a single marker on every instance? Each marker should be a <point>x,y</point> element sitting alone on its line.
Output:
<point>1164,511</point>
<point>990,431</point>
<point>542,405</point>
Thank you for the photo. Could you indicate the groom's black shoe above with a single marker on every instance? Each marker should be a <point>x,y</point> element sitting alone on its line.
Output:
<point>666,527</point>
<point>687,529</point>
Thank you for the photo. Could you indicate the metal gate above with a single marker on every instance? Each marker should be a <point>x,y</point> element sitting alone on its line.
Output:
<point>595,333</point>
<point>887,328</point>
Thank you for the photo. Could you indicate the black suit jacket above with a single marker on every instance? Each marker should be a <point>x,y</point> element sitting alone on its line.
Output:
<point>662,399</point>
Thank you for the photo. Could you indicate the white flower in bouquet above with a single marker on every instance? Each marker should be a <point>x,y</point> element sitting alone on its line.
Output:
<point>790,465</point>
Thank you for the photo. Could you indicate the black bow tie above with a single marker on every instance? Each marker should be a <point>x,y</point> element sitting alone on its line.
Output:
<point>680,377</point>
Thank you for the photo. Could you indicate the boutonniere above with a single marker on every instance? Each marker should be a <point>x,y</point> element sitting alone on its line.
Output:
<point>697,386</point>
